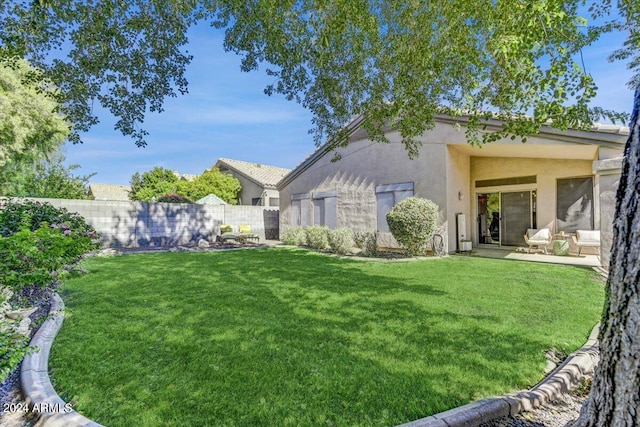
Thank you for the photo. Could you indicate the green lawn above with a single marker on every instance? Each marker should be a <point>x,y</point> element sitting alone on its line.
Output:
<point>280,337</point>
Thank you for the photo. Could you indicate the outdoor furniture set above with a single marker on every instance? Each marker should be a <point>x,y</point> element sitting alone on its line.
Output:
<point>541,238</point>
<point>243,235</point>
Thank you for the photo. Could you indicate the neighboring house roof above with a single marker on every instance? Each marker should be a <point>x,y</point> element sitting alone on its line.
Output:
<point>211,199</point>
<point>602,134</point>
<point>263,175</point>
<point>109,192</point>
<point>185,176</point>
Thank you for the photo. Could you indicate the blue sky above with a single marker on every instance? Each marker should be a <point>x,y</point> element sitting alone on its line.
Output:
<point>226,114</point>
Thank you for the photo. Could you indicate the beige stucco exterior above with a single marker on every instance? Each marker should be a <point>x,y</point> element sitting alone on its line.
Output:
<point>447,171</point>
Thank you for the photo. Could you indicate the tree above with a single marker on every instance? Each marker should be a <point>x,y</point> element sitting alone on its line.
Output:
<point>212,181</point>
<point>54,180</point>
<point>614,399</point>
<point>397,63</point>
<point>153,184</point>
<point>30,127</point>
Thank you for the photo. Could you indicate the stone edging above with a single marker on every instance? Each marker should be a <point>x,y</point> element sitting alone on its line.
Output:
<point>42,398</point>
<point>34,376</point>
<point>562,380</point>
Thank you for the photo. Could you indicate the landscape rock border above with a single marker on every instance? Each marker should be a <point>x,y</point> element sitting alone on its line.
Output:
<point>53,411</point>
<point>34,376</point>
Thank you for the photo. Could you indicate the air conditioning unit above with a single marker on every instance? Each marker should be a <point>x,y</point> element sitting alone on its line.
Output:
<point>464,244</point>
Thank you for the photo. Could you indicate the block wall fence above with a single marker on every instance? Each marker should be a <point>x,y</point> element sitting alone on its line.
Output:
<point>144,224</point>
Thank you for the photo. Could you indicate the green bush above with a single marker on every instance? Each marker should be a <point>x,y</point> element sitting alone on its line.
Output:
<point>341,240</point>
<point>14,214</point>
<point>34,250</point>
<point>13,348</point>
<point>173,198</point>
<point>294,236</point>
<point>37,258</point>
<point>367,241</point>
<point>412,223</point>
<point>318,237</point>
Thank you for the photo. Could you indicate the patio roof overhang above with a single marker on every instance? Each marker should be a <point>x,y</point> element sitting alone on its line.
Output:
<point>531,151</point>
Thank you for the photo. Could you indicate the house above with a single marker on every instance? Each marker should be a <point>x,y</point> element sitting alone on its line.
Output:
<point>109,192</point>
<point>259,182</point>
<point>487,195</point>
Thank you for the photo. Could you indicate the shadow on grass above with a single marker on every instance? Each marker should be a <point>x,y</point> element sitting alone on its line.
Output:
<point>276,337</point>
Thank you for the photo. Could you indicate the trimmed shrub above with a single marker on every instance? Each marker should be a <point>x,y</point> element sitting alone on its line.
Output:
<point>294,236</point>
<point>341,240</point>
<point>367,241</point>
<point>412,223</point>
<point>318,237</point>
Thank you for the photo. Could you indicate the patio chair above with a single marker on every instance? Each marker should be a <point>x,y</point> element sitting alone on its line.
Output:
<point>226,233</point>
<point>538,238</point>
<point>587,239</point>
<point>246,234</point>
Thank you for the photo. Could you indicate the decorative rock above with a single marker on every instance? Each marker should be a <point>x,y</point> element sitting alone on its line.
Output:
<point>20,314</point>
<point>24,327</point>
<point>108,252</point>
<point>203,243</point>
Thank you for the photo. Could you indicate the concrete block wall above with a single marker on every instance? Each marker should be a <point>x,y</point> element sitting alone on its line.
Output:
<point>143,224</point>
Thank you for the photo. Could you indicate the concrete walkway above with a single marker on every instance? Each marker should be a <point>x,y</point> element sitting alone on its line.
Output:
<point>521,254</point>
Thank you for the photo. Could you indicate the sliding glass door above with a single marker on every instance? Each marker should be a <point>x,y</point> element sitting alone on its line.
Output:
<point>504,217</point>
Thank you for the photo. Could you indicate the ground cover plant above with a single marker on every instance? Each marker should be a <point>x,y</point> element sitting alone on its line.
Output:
<point>294,337</point>
<point>39,246</point>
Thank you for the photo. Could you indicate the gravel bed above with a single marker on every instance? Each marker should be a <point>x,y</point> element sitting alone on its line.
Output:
<point>560,412</point>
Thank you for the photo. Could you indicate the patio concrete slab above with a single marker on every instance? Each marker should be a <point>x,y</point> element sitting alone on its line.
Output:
<point>520,254</point>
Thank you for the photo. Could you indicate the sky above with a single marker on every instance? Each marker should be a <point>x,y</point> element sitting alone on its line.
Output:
<point>227,115</point>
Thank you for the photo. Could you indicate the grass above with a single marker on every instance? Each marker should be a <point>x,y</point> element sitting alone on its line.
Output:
<point>291,337</point>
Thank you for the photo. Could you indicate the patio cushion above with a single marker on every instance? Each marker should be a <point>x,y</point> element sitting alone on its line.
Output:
<point>542,236</point>
<point>588,237</point>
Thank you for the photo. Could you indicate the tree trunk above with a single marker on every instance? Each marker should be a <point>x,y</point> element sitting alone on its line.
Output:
<point>614,399</point>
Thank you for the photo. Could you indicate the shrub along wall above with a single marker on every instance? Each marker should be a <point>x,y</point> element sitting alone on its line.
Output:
<point>144,224</point>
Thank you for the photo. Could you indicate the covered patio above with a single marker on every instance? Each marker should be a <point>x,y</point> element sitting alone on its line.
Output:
<point>589,259</point>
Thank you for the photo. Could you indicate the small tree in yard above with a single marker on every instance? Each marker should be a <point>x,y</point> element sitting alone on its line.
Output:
<point>413,222</point>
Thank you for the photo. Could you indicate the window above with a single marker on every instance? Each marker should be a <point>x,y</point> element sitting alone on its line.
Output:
<point>300,211</point>
<point>324,208</point>
<point>256,201</point>
<point>387,196</point>
<point>574,204</point>
<point>274,201</point>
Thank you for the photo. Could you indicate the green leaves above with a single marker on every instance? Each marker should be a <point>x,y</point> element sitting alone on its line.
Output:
<point>30,127</point>
<point>412,223</point>
<point>159,182</point>
<point>153,184</point>
<point>398,64</point>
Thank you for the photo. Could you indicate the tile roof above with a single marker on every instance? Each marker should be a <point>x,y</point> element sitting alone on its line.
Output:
<point>267,176</point>
<point>606,128</point>
<point>211,199</point>
<point>109,191</point>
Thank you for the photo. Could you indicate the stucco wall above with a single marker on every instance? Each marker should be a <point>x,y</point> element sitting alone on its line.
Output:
<point>547,171</point>
<point>446,170</point>
<point>363,166</point>
<point>143,224</point>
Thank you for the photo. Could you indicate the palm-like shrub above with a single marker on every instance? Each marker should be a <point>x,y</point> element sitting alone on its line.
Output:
<point>412,223</point>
